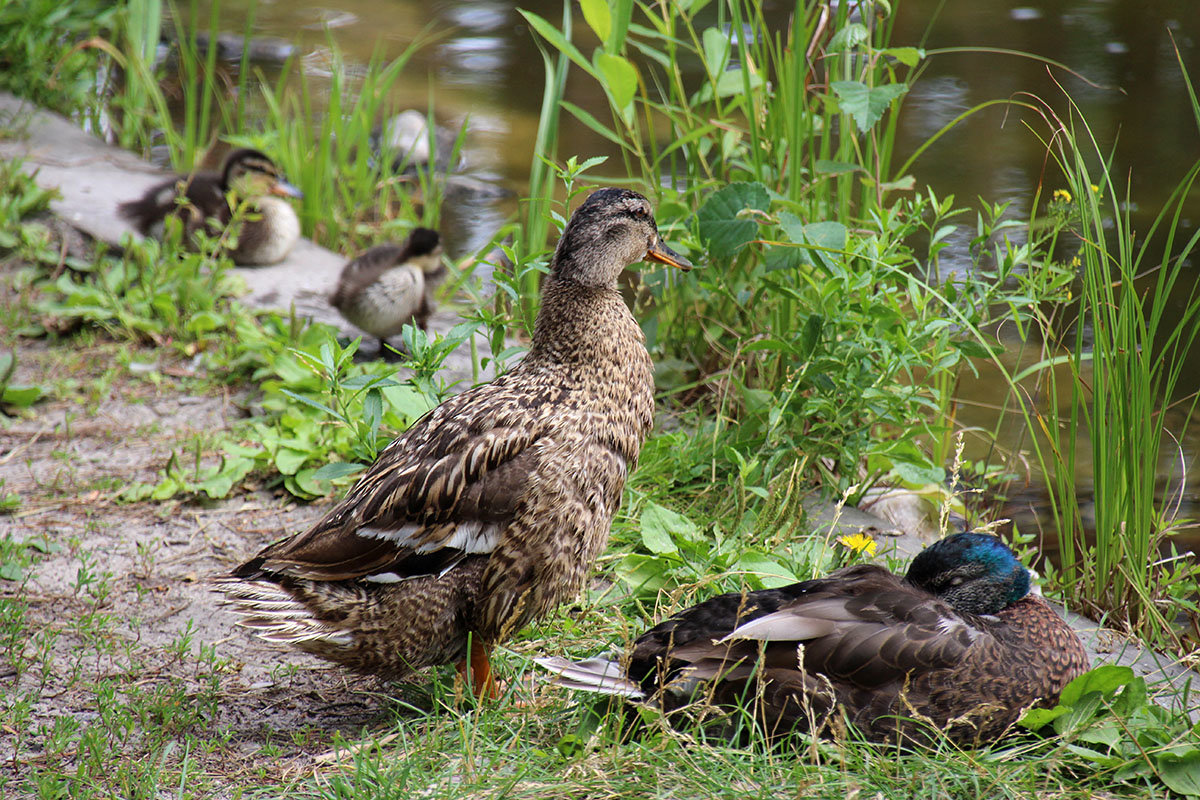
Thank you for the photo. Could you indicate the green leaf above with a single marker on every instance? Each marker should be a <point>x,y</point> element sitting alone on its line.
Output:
<point>660,526</point>
<point>723,226</point>
<point>592,123</point>
<point>20,396</point>
<point>598,17</point>
<point>643,574</point>
<point>848,38</point>
<point>552,35</point>
<point>217,486</point>
<point>1181,773</point>
<point>908,56</point>
<point>620,78</point>
<point>973,348</point>
<point>1037,718</point>
<point>716,51</point>
<point>337,469</point>
<point>918,474</point>
<point>289,461</point>
<point>770,572</point>
<point>826,167</point>
<point>1104,679</point>
<point>864,104</point>
<point>11,571</point>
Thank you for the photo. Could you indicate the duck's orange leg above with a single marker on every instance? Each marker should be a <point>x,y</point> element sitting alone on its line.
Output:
<point>476,670</point>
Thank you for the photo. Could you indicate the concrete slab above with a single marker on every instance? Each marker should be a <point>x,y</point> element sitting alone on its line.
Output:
<point>92,178</point>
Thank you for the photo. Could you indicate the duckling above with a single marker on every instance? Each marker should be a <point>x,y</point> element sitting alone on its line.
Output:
<point>269,231</point>
<point>491,508</point>
<point>390,286</point>
<point>959,643</point>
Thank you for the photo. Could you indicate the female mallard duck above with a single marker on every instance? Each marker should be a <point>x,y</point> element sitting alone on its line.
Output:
<point>389,286</point>
<point>207,201</point>
<point>490,509</point>
<point>959,643</point>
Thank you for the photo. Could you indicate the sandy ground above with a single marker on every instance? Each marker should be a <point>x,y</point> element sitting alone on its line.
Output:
<point>126,595</point>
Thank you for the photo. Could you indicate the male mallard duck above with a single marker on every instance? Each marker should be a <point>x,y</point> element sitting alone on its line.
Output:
<point>959,643</point>
<point>490,509</point>
<point>390,286</point>
<point>270,228</point>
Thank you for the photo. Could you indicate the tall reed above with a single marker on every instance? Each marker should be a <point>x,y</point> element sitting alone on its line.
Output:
<point>1126,352</point>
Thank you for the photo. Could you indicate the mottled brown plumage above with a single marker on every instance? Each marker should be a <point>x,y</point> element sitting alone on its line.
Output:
<point>958,644</point>
<point>491,508</point>
<point>207,201</point>
<point>390,286</point>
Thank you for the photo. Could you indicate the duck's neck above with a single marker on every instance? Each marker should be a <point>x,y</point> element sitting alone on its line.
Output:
<point>582,324</point>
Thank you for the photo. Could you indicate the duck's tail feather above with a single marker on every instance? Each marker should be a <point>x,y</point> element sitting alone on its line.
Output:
<point>276,615</point>
<point>596,674</point>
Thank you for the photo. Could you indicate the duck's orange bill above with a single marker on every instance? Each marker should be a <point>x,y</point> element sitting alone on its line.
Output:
<point>664,255</point>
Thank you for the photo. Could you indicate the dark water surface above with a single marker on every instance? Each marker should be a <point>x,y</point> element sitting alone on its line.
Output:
<point>485,68</point>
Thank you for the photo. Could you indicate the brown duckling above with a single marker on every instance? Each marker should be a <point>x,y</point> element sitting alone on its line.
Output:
<point>270,227</point>
<point>390,286</point>
<point>959,644</point>
<point>491,508</point>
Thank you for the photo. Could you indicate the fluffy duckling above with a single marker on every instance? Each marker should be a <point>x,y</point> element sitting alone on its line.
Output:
<point>959,643</point>
<point>390,286</point>
<point>207,200</point>
<point>491,508</point>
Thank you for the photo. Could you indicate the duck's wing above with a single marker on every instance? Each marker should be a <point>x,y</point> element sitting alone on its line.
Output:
<point>867,628</point>
<point>202,192</point>
<point>442,490</point>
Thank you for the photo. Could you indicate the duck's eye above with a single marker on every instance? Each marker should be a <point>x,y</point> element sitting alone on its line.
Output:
<point>957,580</point>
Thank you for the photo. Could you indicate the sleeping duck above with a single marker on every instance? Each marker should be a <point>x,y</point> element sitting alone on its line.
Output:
<point>390,286</point>
<point>958,643</point>
<point>492,507</point>
<point>208,200</point>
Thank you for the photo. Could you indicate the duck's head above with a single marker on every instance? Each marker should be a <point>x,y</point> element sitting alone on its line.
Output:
<point>974,572</point>
<point>250,173</point>
<point>611,230</point>
<point>424,247</point>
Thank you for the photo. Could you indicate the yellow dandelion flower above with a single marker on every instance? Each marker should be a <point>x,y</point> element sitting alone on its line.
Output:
<point>859,543</point>
<point>1063,195</point>
<point>1095,189</point>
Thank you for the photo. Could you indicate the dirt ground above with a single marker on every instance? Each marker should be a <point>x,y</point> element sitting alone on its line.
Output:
<point>126,594</point>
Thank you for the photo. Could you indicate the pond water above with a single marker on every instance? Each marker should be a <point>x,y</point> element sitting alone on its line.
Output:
<point>485,68</point>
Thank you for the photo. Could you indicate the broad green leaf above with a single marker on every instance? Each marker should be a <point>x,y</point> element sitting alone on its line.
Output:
<point>1038,718</point>
<point>661,526</point>
<point>716,51</point>
<point>1181,773</point>
<point>864,104</point>
<point>723,225</point>
<point>20,396</point>
<point>918,474</point>
<point>770,572</point>
<point>598,17</point>
<point>644,574</point>
<point>217,486</point>
<point>849,37</point>
<point>620,78</point>
<point>308,482</point>
<point>908,56</point>
<point>830,235</point>
<point>1104,679</point>
<point>11,571</point>
<point>289,461</point>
